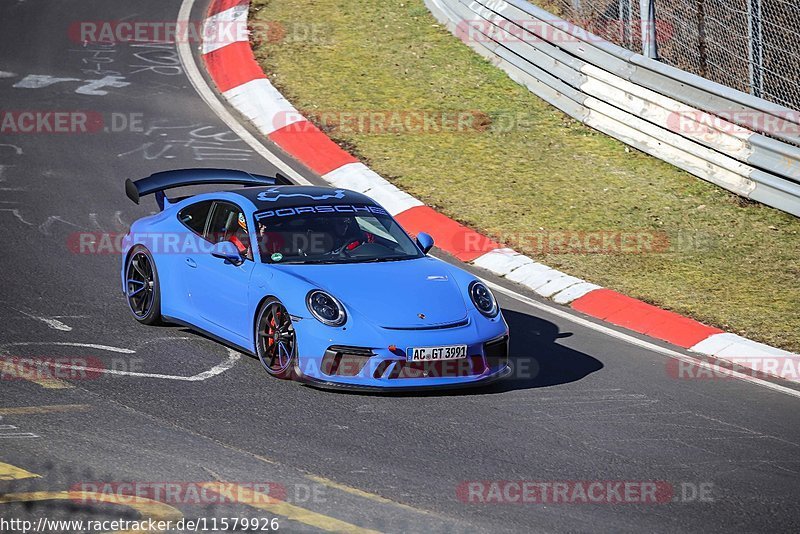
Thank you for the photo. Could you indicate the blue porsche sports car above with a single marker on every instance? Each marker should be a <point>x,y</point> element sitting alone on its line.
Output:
<point>321,284</point>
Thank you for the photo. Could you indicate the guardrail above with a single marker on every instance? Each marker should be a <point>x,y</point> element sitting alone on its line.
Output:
<point>740,142</point>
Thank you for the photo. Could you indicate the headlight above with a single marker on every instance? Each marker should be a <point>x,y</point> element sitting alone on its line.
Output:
<point>325,308</point>
<point>483,299</point>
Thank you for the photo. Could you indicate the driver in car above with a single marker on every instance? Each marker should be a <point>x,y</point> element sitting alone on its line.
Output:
<point>349,235</point>
<point>240,238</point>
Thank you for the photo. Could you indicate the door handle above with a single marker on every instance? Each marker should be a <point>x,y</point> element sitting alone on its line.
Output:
<point>191,263</point>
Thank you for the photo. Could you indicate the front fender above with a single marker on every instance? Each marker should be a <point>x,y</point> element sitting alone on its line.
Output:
<point>292,291</point>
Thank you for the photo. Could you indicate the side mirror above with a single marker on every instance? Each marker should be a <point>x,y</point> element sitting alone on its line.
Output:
<point>425,242</point>
<point>227,251</point>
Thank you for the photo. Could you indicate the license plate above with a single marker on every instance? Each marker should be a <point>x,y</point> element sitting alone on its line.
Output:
<point>432,354</point>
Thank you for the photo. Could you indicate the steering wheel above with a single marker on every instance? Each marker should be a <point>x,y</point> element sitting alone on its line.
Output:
<point>347,246</point>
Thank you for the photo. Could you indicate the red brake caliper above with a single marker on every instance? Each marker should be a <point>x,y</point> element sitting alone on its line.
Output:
<point>271,331</point>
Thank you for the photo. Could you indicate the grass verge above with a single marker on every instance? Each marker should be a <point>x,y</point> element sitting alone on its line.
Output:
<point>526,174</point>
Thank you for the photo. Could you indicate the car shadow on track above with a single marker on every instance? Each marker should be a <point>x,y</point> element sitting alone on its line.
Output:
<point>537,359</point>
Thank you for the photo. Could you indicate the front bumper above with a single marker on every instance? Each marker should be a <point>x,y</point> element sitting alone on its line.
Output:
<point>354,359</point>
<point>419,387</point>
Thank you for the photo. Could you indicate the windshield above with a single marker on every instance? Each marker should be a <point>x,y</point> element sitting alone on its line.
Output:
<point>332,234</point>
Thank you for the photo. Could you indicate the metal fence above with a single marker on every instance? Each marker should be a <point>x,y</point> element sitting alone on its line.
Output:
<point>746,144</point>
<point>750,45</point>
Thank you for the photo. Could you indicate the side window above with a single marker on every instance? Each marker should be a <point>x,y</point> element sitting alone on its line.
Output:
<point>228,223</point>
<point>194,216</point>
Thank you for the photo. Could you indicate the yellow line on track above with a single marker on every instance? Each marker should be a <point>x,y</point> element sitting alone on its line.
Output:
<point>355,491</point>
<point>51,383</point>
<point>12,472</point>
<point>361,493</point>
<point>263,501</point>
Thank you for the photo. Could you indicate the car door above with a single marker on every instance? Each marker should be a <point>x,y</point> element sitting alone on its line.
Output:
<point>183,258</point>
<point>219,288</point>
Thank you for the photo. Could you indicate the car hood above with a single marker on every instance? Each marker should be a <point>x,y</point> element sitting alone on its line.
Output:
<point>415,293</point>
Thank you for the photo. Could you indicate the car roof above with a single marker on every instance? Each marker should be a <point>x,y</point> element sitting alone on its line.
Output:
<point>287,196</point>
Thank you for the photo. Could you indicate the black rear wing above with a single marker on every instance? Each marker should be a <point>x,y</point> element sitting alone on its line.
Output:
<point>159,182</point>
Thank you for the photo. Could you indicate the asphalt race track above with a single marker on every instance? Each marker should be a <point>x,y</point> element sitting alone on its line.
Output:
<point>583,405</point>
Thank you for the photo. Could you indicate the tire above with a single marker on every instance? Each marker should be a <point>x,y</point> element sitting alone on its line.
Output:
<point>142,289</point>
<point>276,339</point>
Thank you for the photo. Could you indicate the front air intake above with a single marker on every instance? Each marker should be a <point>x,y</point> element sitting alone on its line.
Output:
<point>345,361</point>
<point>496,352</point>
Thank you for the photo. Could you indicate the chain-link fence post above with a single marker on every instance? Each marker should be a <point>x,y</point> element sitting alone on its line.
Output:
<point>755,47</point>
<point>624,21</point>
<point>702,48</point>
<point>647,15</point>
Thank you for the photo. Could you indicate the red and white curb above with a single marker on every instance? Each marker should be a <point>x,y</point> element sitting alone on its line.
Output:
<point>237,75</point>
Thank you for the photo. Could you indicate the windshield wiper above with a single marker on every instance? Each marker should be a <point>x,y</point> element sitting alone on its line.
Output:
<point>392,258</point>
<point>345,261</point>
